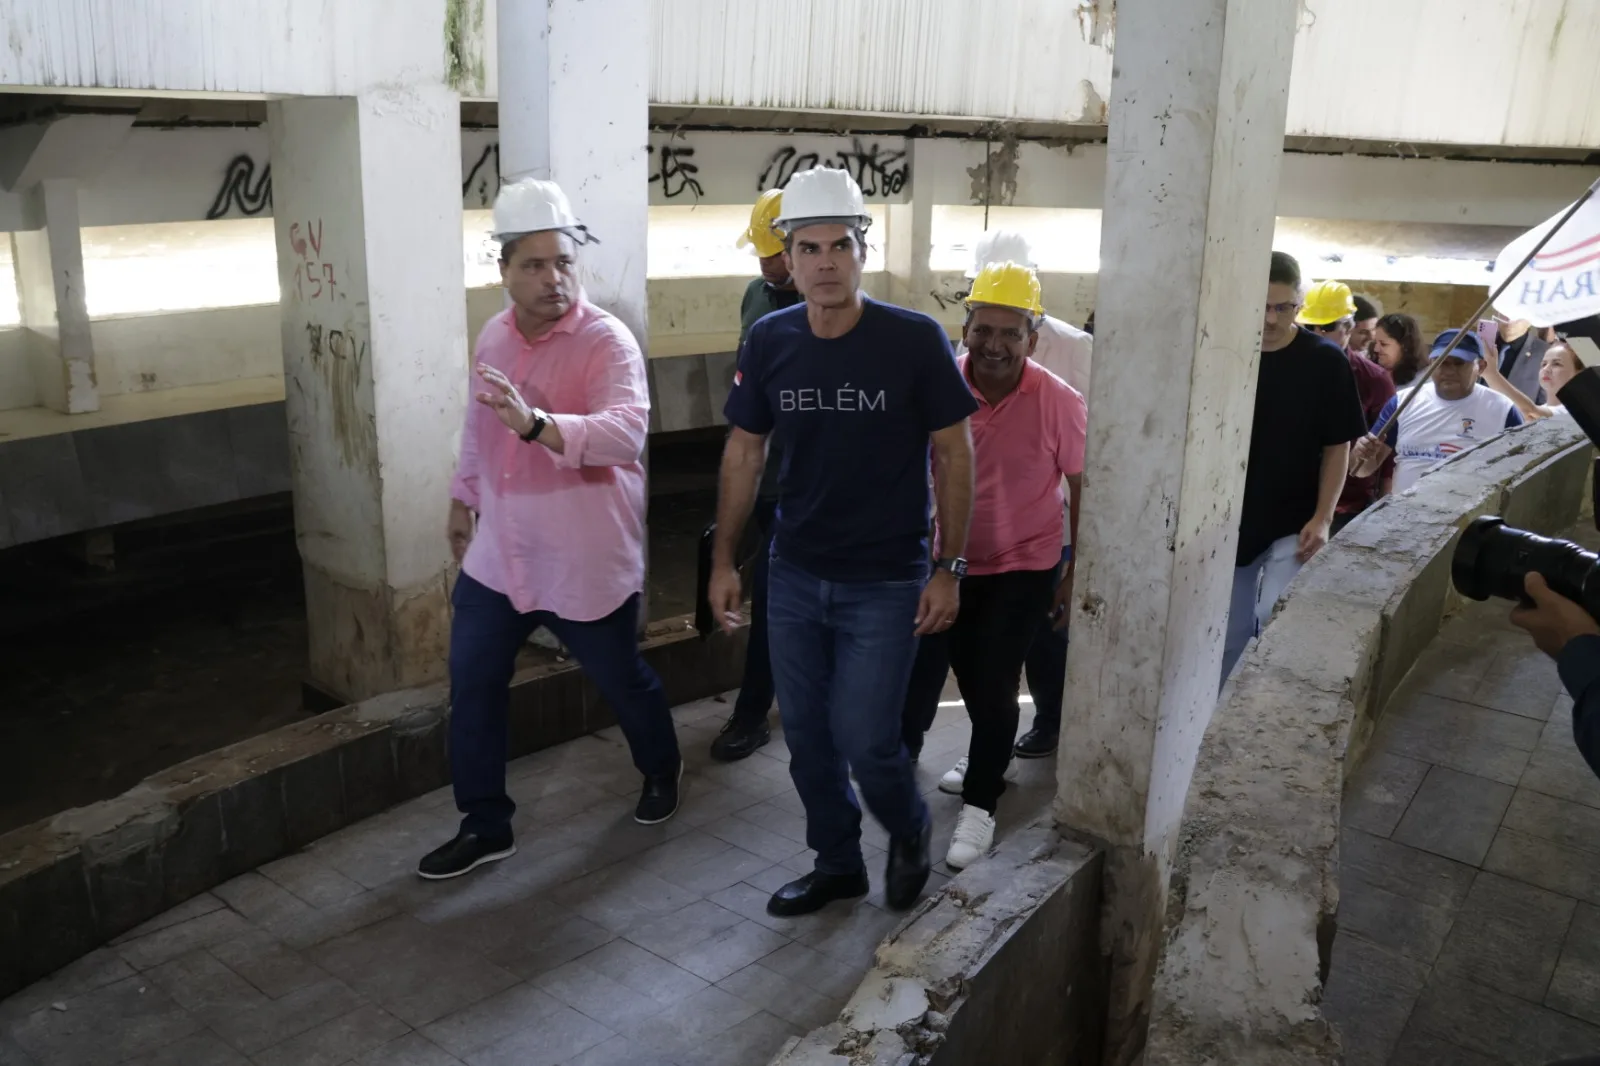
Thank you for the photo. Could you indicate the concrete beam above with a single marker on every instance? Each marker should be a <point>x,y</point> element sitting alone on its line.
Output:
<point>71,146</point>
<point>1196,136</point>
<point>50,296</point>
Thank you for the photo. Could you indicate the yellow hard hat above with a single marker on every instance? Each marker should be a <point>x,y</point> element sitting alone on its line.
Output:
<point>1327,302</point>
<point>1007,285</point>
<point>760,234</point>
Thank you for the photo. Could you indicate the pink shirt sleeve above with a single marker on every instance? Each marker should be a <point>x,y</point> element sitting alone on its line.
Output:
<point>619,398</point>
<point>464,486</point>
<point>1072,430</point>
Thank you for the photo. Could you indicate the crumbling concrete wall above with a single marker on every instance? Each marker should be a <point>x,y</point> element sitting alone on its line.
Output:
<point>1002,966</point>
<point>1255,890</point>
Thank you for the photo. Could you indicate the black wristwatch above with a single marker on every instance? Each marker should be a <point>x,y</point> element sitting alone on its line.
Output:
<point>540,420</point>
<point>957,566</point>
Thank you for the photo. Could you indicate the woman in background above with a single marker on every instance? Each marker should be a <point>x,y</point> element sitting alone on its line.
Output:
<point>1559,366</point>
<point>1397,347</point>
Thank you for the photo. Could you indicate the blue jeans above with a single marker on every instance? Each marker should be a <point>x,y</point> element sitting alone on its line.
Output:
<point>841,657</point>
<point>485,636</point>
<point>1256,588</point>
<point>756,691</point>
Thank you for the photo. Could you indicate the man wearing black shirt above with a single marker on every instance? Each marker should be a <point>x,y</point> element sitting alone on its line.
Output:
<point>1307,413</point>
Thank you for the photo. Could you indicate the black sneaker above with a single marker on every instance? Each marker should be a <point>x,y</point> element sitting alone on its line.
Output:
<point>465,853</point>
<point>1036,744</point>
<point>659,800</point>
<point>739,740</point>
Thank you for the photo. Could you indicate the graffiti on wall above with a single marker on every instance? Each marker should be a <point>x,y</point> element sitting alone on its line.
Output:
<point>237,191</point>
<point>879,171</point>
<point>675,169</point>
<point>483,180</point>
<point>315,277</point>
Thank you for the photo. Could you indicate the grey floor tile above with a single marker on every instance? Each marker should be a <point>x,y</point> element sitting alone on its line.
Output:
<point>1548,865</point>
<point>729,951</point>
<point>1455,815</point>
<point>261,900</point>
<point>815,970</point>
<point>1508,936</point>
<point>338,1041</point>
<point>621,898</point>
<point>553,945</point>
<point>556,1039</point>
<point>1378,793</point>
<point>643,972</point>
<point>277,1020</point>
<point>166,944</point>
<point>94,970</point>
<point>311,879</point>
<point>1571,824</point>
<point>713,803</point>
<point>677,932</point>
<point>412,969</point>
<point>726,868</point>
<point>1499,1025</point>
<point>1557,769</point>
<point>1461,736</point>
<point>1575,987</point>
<point>754,1040</point>
<point>855,940</point>
<point>591,992</point>
<point>413,1049</point>
<point>490,932</point>
<point>201,1049</point>
<point>778,818</point>
<point>748,901</point>
<point>774,847</point>
<point>700,1018</point>
<point>485,893</point>
<point>1520,684</point>
<point>201,983</point>
<point>1369,996</point>
<point>1407,926</point>
<point>268,964</point>
<point>790,1000</point>
<point>1422,1049</point>
<point>119,1021</point>
<point>1403,870</point>
<point>491,1020</point>
<point>1451,670</point>
<point>620,1051</point>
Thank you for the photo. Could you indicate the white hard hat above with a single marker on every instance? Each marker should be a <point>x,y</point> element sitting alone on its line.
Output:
<point>1001,246</point>
<point>822,194</point>
<point>532,205</point>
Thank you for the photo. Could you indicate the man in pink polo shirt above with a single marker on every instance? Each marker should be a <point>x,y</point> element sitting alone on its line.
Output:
<point>1027,436</point>
<point>547,520</point>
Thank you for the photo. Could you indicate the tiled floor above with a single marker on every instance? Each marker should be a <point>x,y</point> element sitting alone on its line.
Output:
<point>1469,913</point>
<point>601,942</point>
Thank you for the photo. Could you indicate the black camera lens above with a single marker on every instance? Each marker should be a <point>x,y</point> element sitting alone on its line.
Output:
<point>1492,559</point>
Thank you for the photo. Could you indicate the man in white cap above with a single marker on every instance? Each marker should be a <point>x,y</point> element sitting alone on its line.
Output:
<point>855,390</point>
<point>1065,351</point>
<point>547,520</point>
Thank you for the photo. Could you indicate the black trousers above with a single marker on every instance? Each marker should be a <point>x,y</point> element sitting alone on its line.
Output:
<point>985,647</point>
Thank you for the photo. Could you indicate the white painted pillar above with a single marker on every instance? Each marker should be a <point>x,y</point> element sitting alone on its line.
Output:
<point>367,210</point>
<point>50,294</point>
<point>574,107</point>
<point>1198,100</point>
<point>908,240</point>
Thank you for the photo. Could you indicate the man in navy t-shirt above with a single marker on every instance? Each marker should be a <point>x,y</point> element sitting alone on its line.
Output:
<point>854,391</point>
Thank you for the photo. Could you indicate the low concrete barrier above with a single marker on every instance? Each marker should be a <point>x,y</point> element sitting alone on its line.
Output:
<point>72,882</point>
<point>1255,887</point>
<point>1003,965</point>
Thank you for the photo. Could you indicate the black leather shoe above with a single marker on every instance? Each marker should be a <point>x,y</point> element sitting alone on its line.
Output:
<point>1036,744</point>
<point>815,891</point>
<point>465,853</point>
<point>739,740</point>
<point>908,869</point>
<point>659,799</point>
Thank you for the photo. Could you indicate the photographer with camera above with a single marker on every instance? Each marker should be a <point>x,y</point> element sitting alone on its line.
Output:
<point>1565,631</point>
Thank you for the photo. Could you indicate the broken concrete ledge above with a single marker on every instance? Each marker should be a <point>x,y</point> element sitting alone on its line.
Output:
<point>1255,886</point>
<point>1002,965</point>
<point>75,881</point>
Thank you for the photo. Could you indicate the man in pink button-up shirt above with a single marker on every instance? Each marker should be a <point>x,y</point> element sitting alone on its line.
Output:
<point>547,520</point>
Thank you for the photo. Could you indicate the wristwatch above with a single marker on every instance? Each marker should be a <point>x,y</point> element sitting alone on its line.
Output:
<point>540,420</point>
<point>957,566</point>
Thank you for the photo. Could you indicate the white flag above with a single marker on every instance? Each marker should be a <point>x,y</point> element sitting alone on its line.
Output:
<point>1562,283</point>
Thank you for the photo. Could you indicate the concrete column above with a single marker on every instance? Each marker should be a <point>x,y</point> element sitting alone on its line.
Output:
<point>49,266</point>
<point>574,108</point>
<point>1196,133</point>
<point>367,209</point>
<point>908,237</point>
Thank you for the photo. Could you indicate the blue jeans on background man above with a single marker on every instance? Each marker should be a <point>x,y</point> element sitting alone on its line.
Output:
<point>841,657</point>
<point>485,636</point>
<point>1256,588</point>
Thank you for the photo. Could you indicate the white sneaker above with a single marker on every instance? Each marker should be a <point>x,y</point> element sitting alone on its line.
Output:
<point>972,839</point>
<point>954,778</point>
